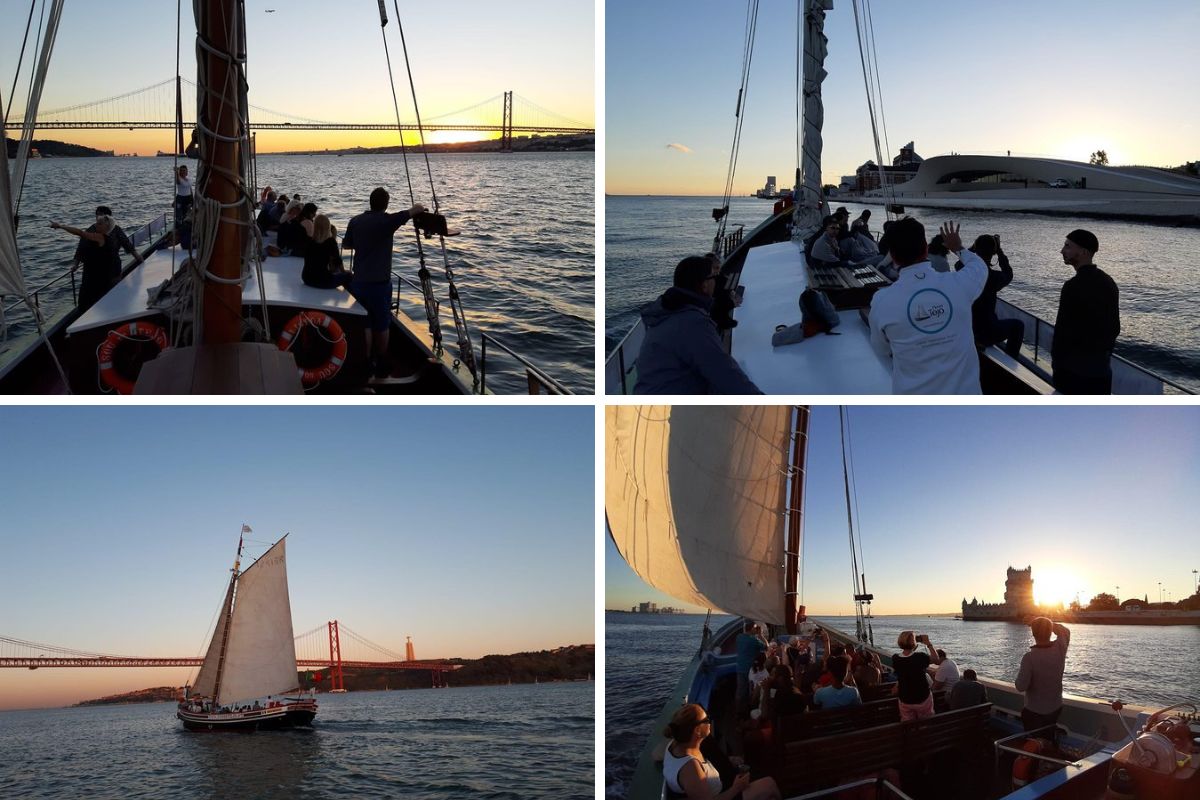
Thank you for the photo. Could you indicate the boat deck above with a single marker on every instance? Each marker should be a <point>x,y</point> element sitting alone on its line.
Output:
<point>281,280</point>
<point>774,275</point>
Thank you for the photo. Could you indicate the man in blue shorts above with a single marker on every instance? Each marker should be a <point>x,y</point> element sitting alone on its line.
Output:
<point>370,236</point>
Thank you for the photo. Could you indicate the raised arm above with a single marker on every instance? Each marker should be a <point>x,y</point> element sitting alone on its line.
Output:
<point>1063,634</point>
<point>91,236</point>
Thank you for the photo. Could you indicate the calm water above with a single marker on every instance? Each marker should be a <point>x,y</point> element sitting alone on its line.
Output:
<point>645,655</point>
<point>524,264</point>
<point>1154,266</point>
<point>487,742</point>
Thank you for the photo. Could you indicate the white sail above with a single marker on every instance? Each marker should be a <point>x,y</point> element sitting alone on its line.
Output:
<point>260,657</point>
<point>807,216</point>
<point>206,681</point>
<point>694,498</point>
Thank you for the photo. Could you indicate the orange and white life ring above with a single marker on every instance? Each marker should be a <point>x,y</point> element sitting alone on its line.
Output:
<point>311,376</point>
<point>130,330</point>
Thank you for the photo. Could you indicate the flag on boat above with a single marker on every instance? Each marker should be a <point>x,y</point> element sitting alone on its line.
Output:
<point>246,529</point>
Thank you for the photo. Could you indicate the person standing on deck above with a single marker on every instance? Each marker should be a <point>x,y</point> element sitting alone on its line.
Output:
<point>922,322</point>
<point>682,352</point>
<point>370,236</point>
<point>183,204</point>
<point>1088,322</point>
<point>1041,674</point>
<point>912,671</point>
<point>123,242</point>
<point>101,260</point>
<point>749,644</point>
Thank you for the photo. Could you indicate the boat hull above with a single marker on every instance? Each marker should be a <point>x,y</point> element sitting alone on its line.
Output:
<point>295,715</point>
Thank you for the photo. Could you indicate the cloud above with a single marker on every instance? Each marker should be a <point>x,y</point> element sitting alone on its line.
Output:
<point>683,148</point>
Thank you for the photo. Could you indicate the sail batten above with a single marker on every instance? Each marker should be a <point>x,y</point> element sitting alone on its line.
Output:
<point>694,498</point>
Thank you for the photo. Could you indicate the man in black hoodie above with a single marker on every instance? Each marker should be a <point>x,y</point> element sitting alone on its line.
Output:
<point>1088,322</point>
<point>682,352</point>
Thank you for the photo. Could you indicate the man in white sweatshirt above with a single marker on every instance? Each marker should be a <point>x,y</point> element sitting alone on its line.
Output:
<point>922,322</point>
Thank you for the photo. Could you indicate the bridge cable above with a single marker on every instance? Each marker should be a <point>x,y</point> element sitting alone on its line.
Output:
<point>20,61</point>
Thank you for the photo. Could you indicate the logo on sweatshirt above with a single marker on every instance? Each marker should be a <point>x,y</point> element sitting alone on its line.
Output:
<point>930,311</point>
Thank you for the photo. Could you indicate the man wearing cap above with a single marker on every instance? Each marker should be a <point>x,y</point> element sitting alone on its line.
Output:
<point>682,352</point>
<point>1087,324</point>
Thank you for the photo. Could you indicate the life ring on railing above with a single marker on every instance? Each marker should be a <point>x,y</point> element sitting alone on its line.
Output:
<point>130,330</point>
<point>1026,769</point>
<point>311,376</point>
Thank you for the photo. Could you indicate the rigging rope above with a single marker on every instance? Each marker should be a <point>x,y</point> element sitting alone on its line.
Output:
<point>466,350</point>
<point>747,59</point>
<point>878,85</point>
<point>21,59</point>
<point>854,566</point>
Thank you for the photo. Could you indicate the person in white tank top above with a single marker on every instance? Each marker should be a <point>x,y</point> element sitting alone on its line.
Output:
<point>688,774</point>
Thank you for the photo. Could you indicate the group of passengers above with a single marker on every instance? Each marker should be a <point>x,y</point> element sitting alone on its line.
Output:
<point>917,324</point>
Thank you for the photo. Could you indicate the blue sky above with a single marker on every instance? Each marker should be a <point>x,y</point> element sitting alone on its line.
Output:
<point>1061,79</point>
<point>470,529</point>
<point>1091,497</point>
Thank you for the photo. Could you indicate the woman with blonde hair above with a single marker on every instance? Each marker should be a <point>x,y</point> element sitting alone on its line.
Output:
<point>912,672</point>
<point>689,774</point>
<point>323,261</point>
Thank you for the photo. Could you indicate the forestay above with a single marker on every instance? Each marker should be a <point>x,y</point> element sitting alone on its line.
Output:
<point>694,498</point>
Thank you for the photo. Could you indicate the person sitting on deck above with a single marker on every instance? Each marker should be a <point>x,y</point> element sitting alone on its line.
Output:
<point>292,238</point>
<point>263,220</point>
<point>967,692</point>
<point>990,329</point>
<point>947,673</point>
<point>783,697</point>
<point>749,645</point>
<point>307,215</point>
<point>867,674</point>
<point>689,773</point>
<point>682,352</point>
<point>937,254</point>
<point>323,267</point>
<point>757,677</point>
<point>837,694</point>
<point>827,251</point>
<point>916,701</point>
<point>863,224</point>
<point>921,323</point>
<point>370,235</point>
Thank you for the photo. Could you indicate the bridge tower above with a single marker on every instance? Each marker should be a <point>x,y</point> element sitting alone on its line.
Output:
<point>335,657</point>
<point>507,124</point>
<point>409,655</point>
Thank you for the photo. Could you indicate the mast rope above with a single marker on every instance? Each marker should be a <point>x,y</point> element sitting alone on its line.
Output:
<point>743,90</point>
<point>466,349</point>
<point>21,60</point>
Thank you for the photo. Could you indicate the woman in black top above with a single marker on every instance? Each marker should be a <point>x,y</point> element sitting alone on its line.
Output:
<point>322,261</point>
<point>911,668</point>
<point>101,258</point>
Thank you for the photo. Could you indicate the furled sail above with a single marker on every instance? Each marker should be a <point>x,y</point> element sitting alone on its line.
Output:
<point>260,656</point>
<point>206,681</point>
<point>694,498</point>
<point>807,216</point>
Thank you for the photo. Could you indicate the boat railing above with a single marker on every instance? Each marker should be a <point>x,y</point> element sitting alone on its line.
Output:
<point>141,238</point>
<point>537,380</point>
<point>1002,745</point>
<point>1128,378</point>
<point>730,241</point>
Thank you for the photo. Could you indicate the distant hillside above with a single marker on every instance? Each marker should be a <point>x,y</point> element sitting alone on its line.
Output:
<point>571,663</point>
<point>49,148</point>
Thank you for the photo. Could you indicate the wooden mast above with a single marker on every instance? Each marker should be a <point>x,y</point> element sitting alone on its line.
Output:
<point>791,572</point>
<point>217,24</point>
<point>237,563</point>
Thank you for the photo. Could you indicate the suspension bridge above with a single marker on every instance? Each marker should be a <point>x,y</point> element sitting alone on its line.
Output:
<point>359,652</point>
<point>155,107</point>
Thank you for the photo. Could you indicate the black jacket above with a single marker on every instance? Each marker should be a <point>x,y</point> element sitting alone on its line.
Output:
<point>1088,322</point>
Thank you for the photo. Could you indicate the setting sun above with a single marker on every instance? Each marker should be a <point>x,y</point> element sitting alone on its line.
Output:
<point>1053,586</point>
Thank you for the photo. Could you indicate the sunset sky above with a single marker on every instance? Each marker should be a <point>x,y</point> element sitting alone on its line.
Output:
<point>1056,79</point>
<point>469,529</point>
<point>950,496</point>
<point>322,61</point>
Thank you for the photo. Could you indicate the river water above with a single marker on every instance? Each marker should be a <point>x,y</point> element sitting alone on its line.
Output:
<point>493,743</point>
<point>524,263</point>
<point>645,655</point>
<point>1154,266</point>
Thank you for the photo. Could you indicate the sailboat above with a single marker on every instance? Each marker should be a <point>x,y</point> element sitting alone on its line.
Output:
<point>216,316</point>
<point>248,680</point>
<point>706,504</point>
<point>769,268</point>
